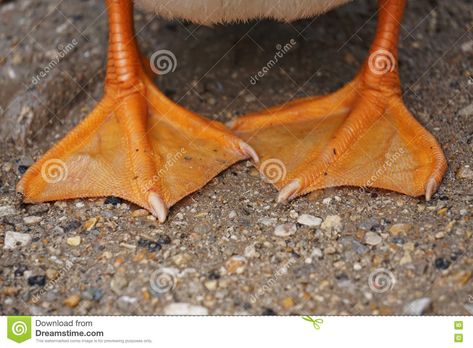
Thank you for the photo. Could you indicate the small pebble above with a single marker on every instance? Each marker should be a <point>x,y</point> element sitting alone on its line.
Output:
<point>316,252</point>
<point>330,250</point>
<point>39,280</point>
<point>327,200</point>
<point>293,214</point>
<point>441,263</point>
<point>309,220</point>
<point>118,283</point>
<point>164,239</point>
<point>38,208</point>
<point>285,230</point>
<point>417,307</point>
<point>269,311</point>
<point>113,200</point>
<point>398,229</point>
<point>51,274</point>
<point>22,169</point>
<point>140,213</point>
<point>16,239</point>
<point>90,224</point>
<point>466,111</point>
<point>287,303</point>
<point>249,98</point>
<point>32,220</point>
<point>74,241</point>
<point>236,264</point>
<point>332,223</point>
<point>72,301</point>
<point>469,307</point>
<point>7,210</point>
<point>250,251</point>
<point>406,258</point>
<point>465,172</point>
<point>211,284</point>
<point>181,259</point>
<point>184,309</point>
<point>268,221</point>
<point>372,238</point>
<point>152,246</point>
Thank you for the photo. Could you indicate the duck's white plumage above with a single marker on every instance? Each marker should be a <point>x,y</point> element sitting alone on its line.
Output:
<point>222,11</point>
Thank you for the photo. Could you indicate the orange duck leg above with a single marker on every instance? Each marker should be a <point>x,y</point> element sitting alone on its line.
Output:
<point>136,144</point>
<point>362,135</point>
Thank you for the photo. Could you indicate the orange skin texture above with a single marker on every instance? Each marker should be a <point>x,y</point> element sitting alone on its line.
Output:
<point>139,145</point>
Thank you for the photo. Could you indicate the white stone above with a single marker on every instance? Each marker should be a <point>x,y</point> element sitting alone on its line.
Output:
<point>293,214</point>
<point>309,220</point>
<point>356,266</point>
<point>7,210</point>
<point>180,308</point>
<point>16,239</point>
<point>417,307</point>
<point>332,223</point>
<point>373,238</point>
<point>31,220</point>
<point>285,230</point>
<point>327,200</point>
<point>266,221</point>
<point>316,252</point>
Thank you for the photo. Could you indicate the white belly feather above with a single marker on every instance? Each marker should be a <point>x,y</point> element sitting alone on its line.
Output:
<point>221,11</point>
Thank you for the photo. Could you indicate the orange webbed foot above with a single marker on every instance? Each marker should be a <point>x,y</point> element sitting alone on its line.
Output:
<point>362,135</point>
<point>136,144</point>
<point>354,137</point>
<point>141,147</point>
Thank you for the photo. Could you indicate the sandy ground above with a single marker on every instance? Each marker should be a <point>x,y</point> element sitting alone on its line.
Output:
<point>374,253</point>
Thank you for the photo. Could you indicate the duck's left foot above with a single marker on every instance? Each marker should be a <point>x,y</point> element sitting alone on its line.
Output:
<point>362,135</point>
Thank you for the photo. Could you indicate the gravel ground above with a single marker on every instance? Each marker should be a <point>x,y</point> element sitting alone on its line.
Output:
<point>229,249</point>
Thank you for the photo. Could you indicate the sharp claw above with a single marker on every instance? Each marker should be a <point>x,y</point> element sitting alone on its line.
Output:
<point>158,207</point>
<point>430,189</point>
<point>289,191</point>
<point>248,151</point>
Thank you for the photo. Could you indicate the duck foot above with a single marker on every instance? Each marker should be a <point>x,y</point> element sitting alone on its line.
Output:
<point>362,135</point>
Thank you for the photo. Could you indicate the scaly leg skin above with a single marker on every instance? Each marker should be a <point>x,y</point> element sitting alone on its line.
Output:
<point>136,144</point>
<point>362,135</point>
